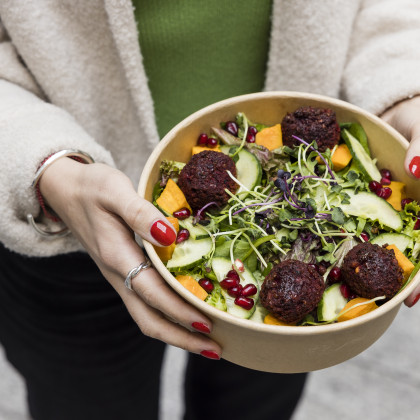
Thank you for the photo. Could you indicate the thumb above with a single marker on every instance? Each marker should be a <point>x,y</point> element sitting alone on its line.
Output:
<point>412,158</point>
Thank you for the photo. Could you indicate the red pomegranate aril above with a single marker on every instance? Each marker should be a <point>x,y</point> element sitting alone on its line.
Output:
<point>385,181</point>
<point>375,186</point>
<point>227,283</point>
<point>232,274</point>
<point>406,201</point>
<point>244,302</point>
<point>182,236</point>
<point>235,291</point>
<point>334,275</point>
<point>384,193</point>
<point>182,214</point>
<point>417,224</point>
<point>386,173</point>
<point>239,265</point>
<point>364,236</point>
<point>250,138</point>
<point>345,290</point>
<point>212,142</point>
<point>314,266</point>
<point>249,290</point>
<point>232,128</point>
<point>202,139</point>
<point>206,284</point>
<point>252,130</point>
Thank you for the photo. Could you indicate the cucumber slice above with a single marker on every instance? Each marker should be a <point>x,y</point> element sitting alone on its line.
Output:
<point>216,299</point>
<point>189,253</point>
<point>370,206</point>
<point>196,231</point>
<point>331,304</point>
<point>259,314</point>
<point>357,131</point>
<point>248,168</point>
<point>361,158</point>
<point>221,266</point>
<point>401,241</point>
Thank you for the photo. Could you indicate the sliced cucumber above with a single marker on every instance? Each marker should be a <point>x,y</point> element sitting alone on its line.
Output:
<point>221,266</point>
<point>248,168</point>
<point>361,158</point>
<point>357,131</point>
<point>189,253</point>
<point>259,314</point>
<point>196,231</point>
<point>331,304</point>
<point>401,241</point>
<point>216,299</point>
<point>370,206</point>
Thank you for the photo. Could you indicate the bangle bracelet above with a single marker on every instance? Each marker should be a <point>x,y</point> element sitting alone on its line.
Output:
<point>49,161</point>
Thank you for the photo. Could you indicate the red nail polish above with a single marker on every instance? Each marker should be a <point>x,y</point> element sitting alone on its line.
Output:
<point>414,166</point>
<point>162,233</point>
<point>210,354</point>
<point>416,299</point>
<point>199,326</point>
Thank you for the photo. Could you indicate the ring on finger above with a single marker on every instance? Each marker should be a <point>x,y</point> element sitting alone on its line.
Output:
<point>135,271</point>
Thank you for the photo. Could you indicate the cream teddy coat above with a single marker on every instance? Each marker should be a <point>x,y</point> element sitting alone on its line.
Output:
<point>71,76</point>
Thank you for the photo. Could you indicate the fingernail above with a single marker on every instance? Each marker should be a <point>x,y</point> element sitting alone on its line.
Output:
<point>210,354</point>
<point>416,299</point>
<point>162,233</point>
<point>414,166</point>
<point>199,326</point>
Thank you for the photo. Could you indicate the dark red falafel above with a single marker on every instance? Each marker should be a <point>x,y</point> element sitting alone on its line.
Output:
<point>371,271</point>
<point>311,124</point>
<point>291,290</point>
<point>204,179</point>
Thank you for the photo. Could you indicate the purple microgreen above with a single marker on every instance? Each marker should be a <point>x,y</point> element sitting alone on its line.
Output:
<point>198,214</point>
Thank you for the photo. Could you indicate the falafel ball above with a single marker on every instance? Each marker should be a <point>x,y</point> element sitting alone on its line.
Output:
<point>319,124</point>
<point>204,179</point>
<point>291,290</point>
<point>371,271</point>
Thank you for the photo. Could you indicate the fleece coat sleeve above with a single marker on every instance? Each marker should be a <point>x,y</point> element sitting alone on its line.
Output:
<point>383,61</point>
<point>30,130</point>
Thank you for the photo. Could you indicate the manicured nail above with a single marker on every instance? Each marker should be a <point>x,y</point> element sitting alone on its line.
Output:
<point>199,326</point>
<point>414,166</point>
<point>162,233</point>
<point>416,299</point>
<point>210,354</point>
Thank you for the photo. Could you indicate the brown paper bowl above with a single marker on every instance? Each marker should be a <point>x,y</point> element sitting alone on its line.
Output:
<point>281,348</point>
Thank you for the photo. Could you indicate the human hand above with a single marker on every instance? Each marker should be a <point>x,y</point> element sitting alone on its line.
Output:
<point>405,117</point>
<point>101,208</point>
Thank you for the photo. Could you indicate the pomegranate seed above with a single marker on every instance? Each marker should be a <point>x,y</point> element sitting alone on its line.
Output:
<point>334,275</point>
<point>386,173</point>
<point>232,274</point>
<point>182,214</point>
<point>252,130</point>
<point>322,269</point>
<point>182,236</point>
<point>406,201</point>
<point>250,138</point>
<point>314,266</point>
<point>345,290</point>
<point>249,290</point>
<point>385,181</point>
<point>232,128</point>
<point>417,224</point>
<point>239,265</point>
<point>212,142</point>
<point>244,302</point>
<point>364,236</point>
<point>206,284</point>
<point>235,291</point>
<point>228,283</point>
<point>202,139</point>
<point>375,186</point>
<point>384,193</point>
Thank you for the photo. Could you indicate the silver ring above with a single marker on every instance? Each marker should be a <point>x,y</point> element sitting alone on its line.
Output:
<point>136,270</point>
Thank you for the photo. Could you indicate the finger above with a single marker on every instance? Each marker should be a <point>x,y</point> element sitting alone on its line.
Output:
<point>413,298</point>
<point>412,159</point>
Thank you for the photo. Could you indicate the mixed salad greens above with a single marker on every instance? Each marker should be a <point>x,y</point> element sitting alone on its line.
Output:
<point>291,203</point>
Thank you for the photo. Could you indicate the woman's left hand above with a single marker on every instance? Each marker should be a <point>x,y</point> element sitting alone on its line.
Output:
<point>405,117</point>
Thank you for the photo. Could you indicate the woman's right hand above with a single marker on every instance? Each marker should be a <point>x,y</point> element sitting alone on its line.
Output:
<point>102,209</point>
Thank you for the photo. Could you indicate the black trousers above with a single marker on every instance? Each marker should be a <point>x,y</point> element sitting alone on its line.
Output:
<point>67,332</point>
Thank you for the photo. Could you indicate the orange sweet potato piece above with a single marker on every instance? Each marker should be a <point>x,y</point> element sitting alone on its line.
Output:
<point>165,252</point>
<point>270,137</point>
<point>272,320</point>
<point>192,285</point>
<point>199,149</point>
<point>172,198</point>
<point>357,311</point>
<point>398,193</point>
<point>406,265</point>
<point>341,157</point>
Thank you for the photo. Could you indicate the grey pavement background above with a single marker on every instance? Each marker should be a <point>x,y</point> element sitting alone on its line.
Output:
<point>383,383</point>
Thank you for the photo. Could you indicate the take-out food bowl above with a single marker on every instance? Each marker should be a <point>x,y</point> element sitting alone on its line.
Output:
<point>273,348</point>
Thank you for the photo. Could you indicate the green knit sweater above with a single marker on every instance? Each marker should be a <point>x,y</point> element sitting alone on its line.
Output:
<point>198,52</point>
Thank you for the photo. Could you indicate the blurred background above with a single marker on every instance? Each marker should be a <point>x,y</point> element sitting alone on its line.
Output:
<point>383,383</point>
